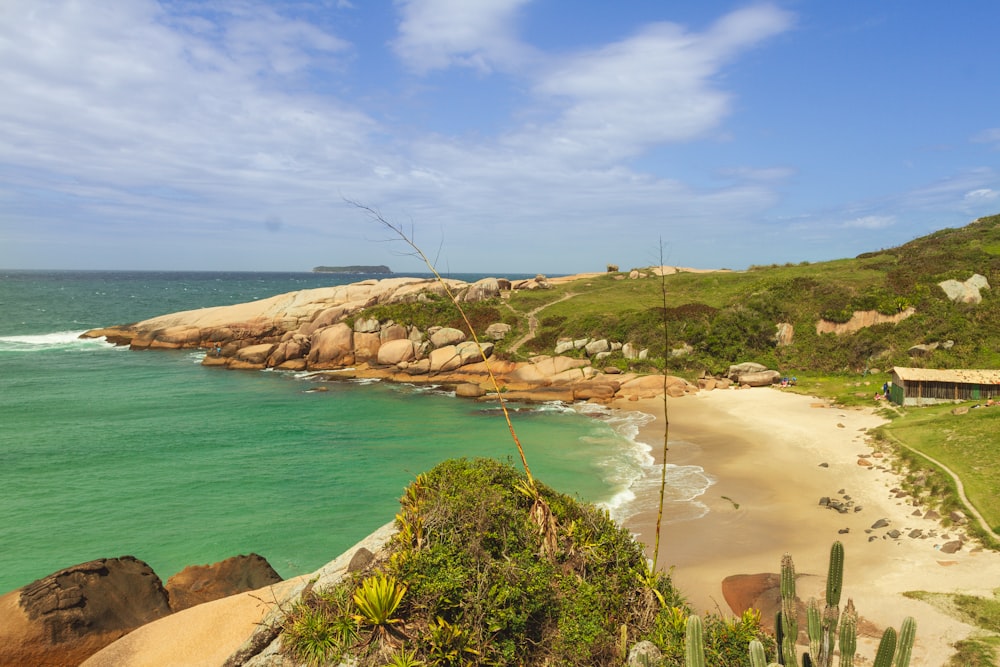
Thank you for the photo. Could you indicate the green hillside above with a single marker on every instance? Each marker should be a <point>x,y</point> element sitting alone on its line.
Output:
<point>727,317</point>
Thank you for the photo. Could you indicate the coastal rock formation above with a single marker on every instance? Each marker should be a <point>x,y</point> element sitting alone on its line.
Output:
<point>202,583</point>
<point>315,330</point>
<point>65,617</point>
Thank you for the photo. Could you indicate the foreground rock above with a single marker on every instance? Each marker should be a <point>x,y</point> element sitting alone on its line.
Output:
<point>64,618</point>
<point>198,584</point>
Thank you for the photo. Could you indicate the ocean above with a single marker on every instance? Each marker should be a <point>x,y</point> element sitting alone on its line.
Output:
<point>107,452</point>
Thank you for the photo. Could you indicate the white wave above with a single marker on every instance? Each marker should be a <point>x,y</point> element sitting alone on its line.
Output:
<point>49,341</point>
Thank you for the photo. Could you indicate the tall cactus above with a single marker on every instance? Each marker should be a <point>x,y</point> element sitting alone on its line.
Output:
<point>835,575</point>
<point>789,622</point>
<point>848,635</point>
<point>694,643</point>
<point>886,649</point>
<point>831,613</point>
<point>814,629</point>
<point>907,632</point>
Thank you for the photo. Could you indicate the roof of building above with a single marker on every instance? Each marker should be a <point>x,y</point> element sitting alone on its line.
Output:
<point>957,375</point>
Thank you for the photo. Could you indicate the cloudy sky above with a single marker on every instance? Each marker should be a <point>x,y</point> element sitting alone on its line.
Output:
<point>551,136</point>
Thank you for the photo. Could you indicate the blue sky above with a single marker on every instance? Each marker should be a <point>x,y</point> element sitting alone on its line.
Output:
<point>508,136</point>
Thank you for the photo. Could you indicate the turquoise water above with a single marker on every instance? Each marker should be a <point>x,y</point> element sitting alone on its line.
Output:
<point>106,452</point>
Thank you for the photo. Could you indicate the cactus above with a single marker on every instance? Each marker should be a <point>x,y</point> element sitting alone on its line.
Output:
<point>848,635</point>
<point>694,643</point>
<point>835,575</point>
<point>757,656</point>
<point>789,623</point>
<point>886,649</point>
<point>814,628</point>
<point>907,631</point>
<point>831,614</point>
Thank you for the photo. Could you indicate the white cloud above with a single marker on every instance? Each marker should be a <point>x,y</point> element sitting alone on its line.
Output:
<point>990,136</point>
<point>981,196</point>
<point>436,34</point>
<point>870,222</point>
<point>654,87</point>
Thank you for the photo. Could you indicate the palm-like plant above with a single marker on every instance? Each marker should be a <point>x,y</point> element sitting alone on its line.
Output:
<point>376,601</point>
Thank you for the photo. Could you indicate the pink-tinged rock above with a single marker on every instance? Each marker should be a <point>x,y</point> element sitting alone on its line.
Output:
<point>393,332</point>
<point>396,351</point>
<point>255,354</point>
<point>446,336</point>
<point>444,359</point>
<point>366,346</point>
<point>332,345</point>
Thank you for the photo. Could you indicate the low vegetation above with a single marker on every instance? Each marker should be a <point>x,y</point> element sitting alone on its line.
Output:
<point>981,649</point>
<point>466,581</point>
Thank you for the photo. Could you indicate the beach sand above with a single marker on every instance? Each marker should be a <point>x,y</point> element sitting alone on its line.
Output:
<point>764,449</point>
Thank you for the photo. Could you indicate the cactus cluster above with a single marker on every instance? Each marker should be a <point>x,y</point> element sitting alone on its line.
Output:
<point>827,629</point>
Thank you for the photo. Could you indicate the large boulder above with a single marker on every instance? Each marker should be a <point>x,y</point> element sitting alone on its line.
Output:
<point>481,290</point>
<point>396,351</point>
<point>203,583</point>
<point>444,359</point>
<point>366,345</point>
<point>967,291</point>
<point>737,370</point>
<point>332,346</point>
<point>761,379</point>
<point>71,614</point>
<point>446,336</point>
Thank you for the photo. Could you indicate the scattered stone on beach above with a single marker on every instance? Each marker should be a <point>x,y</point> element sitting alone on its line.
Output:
<point>893,534</point>
<point>951,547</point>
<point>916,533</point>
<point>865,462</point>
<point>824,465</point>
<point>825,501</point>
<point>931,515</point>
<point>844,531</point>
<point>881,523</point>
<point>958,517</point>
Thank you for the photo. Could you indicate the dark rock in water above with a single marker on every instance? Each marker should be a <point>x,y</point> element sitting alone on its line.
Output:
<point>203,583</point>
<point>64,618</point>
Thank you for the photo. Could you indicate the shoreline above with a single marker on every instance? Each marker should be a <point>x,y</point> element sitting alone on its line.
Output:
<point>765,451</point>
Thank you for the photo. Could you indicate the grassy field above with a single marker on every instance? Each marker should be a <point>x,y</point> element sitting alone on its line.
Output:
<point>966,443</point>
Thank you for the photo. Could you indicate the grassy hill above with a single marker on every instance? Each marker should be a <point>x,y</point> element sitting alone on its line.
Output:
<point>727,317</point>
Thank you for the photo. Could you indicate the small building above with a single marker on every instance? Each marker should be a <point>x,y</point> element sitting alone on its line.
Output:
<point>926,386</point>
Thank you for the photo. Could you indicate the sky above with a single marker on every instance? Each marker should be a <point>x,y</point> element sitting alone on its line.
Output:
<point>501,136</point>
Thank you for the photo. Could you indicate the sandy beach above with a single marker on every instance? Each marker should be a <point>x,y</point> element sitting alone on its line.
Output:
<point>765,449</point>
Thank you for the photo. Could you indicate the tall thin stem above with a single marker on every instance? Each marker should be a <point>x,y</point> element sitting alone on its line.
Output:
<point>397,230</point>
<point>666,417</point>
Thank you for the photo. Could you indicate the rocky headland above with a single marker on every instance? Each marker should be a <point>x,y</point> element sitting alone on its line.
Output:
<point>323,330</point>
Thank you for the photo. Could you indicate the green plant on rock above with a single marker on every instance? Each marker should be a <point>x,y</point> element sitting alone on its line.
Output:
<point>376,600</point>
<point>318,629</point>
<point>404,658</point>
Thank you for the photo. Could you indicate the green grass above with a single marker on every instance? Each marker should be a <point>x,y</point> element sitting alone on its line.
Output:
<point>965,443</point>
<point>980,650</point>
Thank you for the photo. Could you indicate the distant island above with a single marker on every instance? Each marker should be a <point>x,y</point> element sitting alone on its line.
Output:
<point>381,269</point>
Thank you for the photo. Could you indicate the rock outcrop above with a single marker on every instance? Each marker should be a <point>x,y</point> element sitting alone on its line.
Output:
<point>316,330</point>
<point>65,617</point>
<point>197,584</point>
<point>967,291</point>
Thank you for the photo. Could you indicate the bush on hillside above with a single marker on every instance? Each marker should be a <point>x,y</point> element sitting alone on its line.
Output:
<point>477,588</point>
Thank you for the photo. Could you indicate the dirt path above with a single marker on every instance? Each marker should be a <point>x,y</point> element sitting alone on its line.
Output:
<point>533,321</point>
<point>959,487</point>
